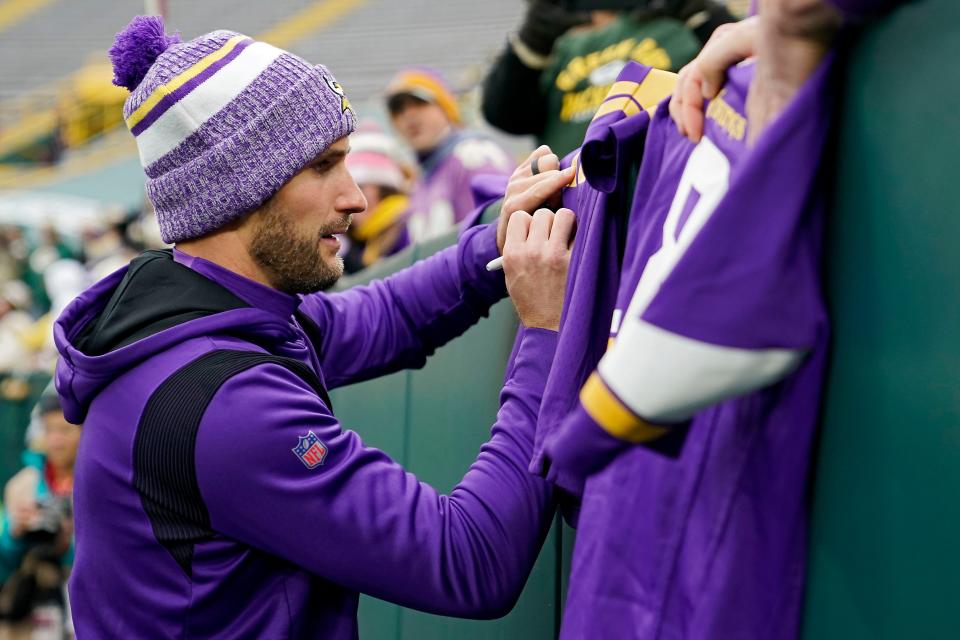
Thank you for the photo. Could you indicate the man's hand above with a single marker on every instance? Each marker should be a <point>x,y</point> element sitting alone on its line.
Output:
<point>702,78</point>
<point>789,39</point>
<point>527,192</point>
<point>536,257</point>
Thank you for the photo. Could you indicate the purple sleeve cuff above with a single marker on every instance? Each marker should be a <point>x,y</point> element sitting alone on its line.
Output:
<point>477,247</point>
<point>577,450</point>
<point>534,356</point>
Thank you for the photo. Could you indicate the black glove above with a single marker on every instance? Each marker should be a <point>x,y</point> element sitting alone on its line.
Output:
<point>545,22</point>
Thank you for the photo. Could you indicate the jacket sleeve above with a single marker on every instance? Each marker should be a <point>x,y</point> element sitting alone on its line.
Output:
<point>357,518</point>
<point>513,100</point>
<point>395,323</point>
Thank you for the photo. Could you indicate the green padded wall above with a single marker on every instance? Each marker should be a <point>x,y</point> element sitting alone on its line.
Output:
<point>433,421</point>
<point>884,560</point>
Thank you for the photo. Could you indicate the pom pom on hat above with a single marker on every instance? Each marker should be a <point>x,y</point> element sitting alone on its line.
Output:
<point>136,48</point>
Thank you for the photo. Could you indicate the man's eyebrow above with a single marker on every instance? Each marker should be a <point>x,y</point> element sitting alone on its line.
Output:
<point>331,154</point>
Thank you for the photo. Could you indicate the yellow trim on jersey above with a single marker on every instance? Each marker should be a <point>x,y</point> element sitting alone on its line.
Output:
<point>613,105</point>
<point>178,81</point>
<point>613,416</point>
<point>578,177</point>
<point>656,86</point>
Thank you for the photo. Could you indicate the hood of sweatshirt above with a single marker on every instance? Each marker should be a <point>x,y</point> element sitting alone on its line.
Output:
<point>149,306</point>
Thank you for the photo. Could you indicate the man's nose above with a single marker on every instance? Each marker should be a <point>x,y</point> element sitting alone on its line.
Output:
<point>352,200</point>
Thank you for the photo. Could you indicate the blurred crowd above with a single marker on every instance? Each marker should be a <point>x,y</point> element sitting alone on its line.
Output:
<point>42,270</point>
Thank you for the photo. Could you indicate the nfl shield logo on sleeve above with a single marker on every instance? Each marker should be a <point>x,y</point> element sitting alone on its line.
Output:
<point>310,450</point>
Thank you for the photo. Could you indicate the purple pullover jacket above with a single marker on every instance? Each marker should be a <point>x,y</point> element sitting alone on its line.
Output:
<point>694,527</point>
<point>289,547</point>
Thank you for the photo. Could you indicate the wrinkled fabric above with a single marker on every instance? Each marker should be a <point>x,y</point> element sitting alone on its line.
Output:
<point>700,532</point>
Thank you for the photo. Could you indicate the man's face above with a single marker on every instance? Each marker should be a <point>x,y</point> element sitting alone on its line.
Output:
<point>292,235</point>
<point>422,124</point>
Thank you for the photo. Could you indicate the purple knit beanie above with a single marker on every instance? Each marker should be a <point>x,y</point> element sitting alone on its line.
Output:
<point>221,121</point>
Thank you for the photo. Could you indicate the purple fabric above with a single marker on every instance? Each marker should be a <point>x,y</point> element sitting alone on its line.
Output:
<point>443,307</point>
<point>863,8</point>
<point>612,141</point>
<point>761,267</point>
<point>183,90</point>
<point>688,207</point>
<point>711,543</point>
<point>293,546</point>
<point>443,196</point>
<point>136,48</point>
<point>249,149</point>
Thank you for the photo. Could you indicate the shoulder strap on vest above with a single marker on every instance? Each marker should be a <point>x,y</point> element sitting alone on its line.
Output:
<point>164,471</point>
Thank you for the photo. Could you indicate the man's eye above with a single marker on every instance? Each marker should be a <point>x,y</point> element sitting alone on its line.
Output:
<point>322,167</point>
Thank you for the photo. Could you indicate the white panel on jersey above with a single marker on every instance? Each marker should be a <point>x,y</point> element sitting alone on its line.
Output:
<point>707,173</point>
<point>616,321</point>
<point>665,377</point>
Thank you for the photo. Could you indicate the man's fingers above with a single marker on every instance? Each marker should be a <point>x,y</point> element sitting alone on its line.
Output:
<point>549,162</point>
<point>702,78</point>
<point>540,226</point>
<point>522,185</point>
<point>720,32</point>
<point>518,228</point>
<point>537,191</point>
<point>733,45</point>
<point>539,154</point>
<point>691,111</point>
<point>534,191</point>
<point>676,100</point>
<point>562,231</point>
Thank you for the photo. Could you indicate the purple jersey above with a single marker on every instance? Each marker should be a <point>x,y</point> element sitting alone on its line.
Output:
<point>691,440</point>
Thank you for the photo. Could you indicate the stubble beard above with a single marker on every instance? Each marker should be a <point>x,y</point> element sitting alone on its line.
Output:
<point>293,263</point>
